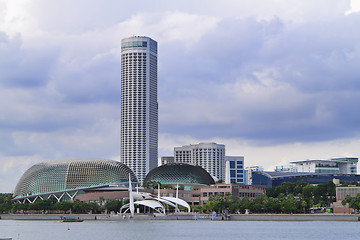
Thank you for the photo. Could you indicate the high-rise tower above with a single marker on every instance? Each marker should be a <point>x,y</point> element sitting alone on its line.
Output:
<point>139,107</point>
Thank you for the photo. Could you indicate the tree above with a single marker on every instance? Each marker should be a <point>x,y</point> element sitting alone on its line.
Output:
<point>113,206</point>
<point>289,204</point>
<point>63,206</point>
<point>272,205</point>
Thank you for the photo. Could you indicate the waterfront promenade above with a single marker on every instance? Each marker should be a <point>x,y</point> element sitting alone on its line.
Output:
<point>233,217</point>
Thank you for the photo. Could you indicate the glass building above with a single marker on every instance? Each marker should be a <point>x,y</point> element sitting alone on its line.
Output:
<point>273,179</point>
<point>65,178</point>
<point>139,106</point>
<point>179,173</point>
<point>234,169</point>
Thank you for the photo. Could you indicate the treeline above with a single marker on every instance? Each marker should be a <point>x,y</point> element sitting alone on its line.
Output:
<point>297,197</point>
<point>51,206</point>
<point>5,202</point>
<point>354,202</point>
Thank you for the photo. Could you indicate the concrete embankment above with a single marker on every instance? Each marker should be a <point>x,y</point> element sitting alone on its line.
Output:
<point>235,217</point>
<point>294,217</point>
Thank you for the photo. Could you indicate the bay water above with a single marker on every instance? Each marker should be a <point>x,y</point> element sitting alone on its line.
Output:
<point>175,230</point>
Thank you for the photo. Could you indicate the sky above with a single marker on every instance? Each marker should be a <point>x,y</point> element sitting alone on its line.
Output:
<point>274,80</point>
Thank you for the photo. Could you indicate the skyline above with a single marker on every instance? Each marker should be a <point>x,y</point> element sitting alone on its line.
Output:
<point>274,81</point>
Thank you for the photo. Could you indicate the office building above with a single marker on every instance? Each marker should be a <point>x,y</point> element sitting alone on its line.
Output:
<point>139,107</point>
<point>234,169</point>
<point>248,173</point>
<point>273,179</point>
<point>209,156</point>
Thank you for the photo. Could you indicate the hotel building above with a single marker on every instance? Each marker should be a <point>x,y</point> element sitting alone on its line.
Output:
<point>139,106</point>
<point>209,156</point>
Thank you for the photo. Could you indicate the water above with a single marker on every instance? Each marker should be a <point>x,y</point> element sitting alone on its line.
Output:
<point>159,229</point>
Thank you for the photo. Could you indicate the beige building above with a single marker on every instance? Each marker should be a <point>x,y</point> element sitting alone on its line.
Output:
<point>341,193</point>
<point>193,195</point>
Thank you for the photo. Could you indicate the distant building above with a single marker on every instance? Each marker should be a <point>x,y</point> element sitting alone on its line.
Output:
<point>236,190</point>
<point>341,193</point>
<point>234,169</point>
<point>273,179</point>
<point>334,165</point>
<point>248,173</point>
<point>166,160</point>
<point>210,156</point>
<point>200,195</point>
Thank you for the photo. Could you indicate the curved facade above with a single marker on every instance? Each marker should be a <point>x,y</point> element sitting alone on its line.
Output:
<point>71,174</point>
<point>179,173</point>
<point>139,106</point>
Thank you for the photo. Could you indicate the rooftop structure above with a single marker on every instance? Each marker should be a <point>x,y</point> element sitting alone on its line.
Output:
<point>63,179</point>
<point>334,165</point>
<point>166,160</point>
<point>179,173</point>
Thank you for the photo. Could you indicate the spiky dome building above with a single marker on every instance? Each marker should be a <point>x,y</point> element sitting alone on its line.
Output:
<point>179,173</point>
<point>64,178</point>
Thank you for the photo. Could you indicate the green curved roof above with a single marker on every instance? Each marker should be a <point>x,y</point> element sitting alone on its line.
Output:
<point>179,173</point>
<point>71,174</point>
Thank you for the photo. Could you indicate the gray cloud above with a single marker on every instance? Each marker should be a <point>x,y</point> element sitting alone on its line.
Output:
<point>285,82</point>
<point>264,73</point>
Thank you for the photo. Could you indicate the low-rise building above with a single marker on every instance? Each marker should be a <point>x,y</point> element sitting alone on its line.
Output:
<point>201,194</point>
<point>332,166</point>
<point>236,190</point>
<point>341,193</point>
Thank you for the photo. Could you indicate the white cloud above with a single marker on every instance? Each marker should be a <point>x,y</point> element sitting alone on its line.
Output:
<point>355,7</point>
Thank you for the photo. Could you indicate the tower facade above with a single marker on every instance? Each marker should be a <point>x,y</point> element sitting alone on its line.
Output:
<point>209,156</point>
<point>139,107</point>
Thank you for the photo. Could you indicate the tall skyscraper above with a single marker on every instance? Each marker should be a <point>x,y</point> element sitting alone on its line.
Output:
<point>139,107</point>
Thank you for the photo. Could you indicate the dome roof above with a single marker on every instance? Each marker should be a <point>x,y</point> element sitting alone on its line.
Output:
<point>71,174</point>
<point>179,173</point>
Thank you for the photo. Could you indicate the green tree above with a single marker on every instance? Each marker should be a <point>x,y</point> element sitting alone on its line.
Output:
<point>63,206</point>
<point>113,206</point>
<point>272,205</point>
<point>289,204</point>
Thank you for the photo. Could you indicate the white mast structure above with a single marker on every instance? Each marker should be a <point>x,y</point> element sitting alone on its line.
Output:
<point>131,198</point>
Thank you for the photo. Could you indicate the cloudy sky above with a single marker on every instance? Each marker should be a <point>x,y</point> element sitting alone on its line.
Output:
<point>273,80</point>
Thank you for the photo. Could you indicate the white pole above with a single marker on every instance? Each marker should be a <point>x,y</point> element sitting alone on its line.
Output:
<point>158,190</point>
<point>131,198</point>
<point>177,196</point>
